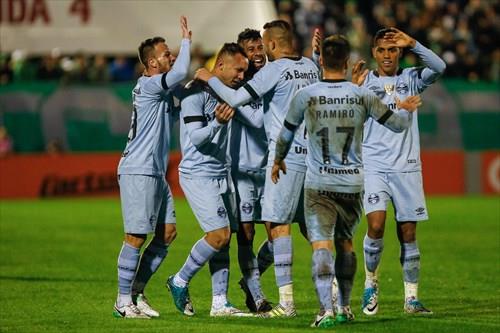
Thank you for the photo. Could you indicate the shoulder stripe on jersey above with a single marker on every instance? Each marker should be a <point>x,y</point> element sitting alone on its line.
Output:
<point>164,81</point>
<point>250,90</point>
<point>192,119</point>
<point>385,116</point>
<point>290,126</point>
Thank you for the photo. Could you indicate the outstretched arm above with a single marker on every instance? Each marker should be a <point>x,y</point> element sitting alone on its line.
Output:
<point>180,68</point>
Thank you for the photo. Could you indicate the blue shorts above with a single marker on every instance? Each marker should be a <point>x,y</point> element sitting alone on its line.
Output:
<point>145,201</point>
<point>212,201</point>
<point>404,189</point>
<point>331,214</point>
<point>249,194</point>
<point>284,201</point>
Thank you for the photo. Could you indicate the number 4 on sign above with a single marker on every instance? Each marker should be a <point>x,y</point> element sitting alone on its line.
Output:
<point>80,8</point>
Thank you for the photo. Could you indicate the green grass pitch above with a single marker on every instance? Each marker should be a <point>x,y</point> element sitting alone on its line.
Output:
<point>58,273</point>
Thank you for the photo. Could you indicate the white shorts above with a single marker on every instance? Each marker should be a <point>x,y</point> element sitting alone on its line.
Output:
<point>284,201</point>
<point>404,189</point>
<point>145,200</point>
<point>249,194</point>
<point>212,201</point>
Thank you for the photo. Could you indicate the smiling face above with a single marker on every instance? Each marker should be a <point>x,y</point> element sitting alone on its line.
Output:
<point>254,50</point>
<point>386,54</point>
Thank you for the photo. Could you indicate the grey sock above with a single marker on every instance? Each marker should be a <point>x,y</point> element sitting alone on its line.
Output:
<point>410,260</point>
<point>199,255</point>
<point>373,252</point>
<point>150,261</point>
<point>219,269</point>
<point>250,271</point>
<point>345,269</point>
<point>323,272</point>
<point>283,260</point>
<point>265,256</point>
<point>128,260</point>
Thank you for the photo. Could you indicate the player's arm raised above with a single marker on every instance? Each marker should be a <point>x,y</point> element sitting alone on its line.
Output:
<point>435,65</point>
<point>180,69</point>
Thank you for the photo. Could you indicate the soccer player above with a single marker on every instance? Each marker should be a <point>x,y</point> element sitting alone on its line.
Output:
<point>392,164</point>
<point>285,73</point>
<point>334,111</point>
<point>146,200</point>
<point>204,178</point>
<point>248,147</point>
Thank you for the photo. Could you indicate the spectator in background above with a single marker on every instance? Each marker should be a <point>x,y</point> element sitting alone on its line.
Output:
<point>49,69</point>
<point>99,72</point>
<point>6,144</point>
<point>6,74</point>
<point>121,69</point>
<point>55,147</point>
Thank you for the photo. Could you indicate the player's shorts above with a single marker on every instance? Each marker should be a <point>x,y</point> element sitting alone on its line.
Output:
<point>212,201</point>
<point>145,201</point>
<point>284,201</point>
<point>404,189</point>
<point>249,194</point>
<point>331,214</point>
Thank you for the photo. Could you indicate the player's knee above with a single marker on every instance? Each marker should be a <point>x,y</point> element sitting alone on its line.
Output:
<point>135,240</point>
<point>219,238</point>
<point>343,245</point>
<point>170,236</point>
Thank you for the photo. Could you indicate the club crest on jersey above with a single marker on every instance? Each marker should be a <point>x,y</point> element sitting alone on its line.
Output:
<point>402,88</point>
<point>373,198</point>
<point>221,211</point>
<point>247,208</point>
<point>389,89</point>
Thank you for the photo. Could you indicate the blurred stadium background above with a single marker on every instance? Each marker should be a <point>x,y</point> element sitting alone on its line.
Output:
<point>67,68</point>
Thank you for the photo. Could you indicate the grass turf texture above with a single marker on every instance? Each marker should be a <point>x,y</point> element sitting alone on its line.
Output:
<point>58,273</point>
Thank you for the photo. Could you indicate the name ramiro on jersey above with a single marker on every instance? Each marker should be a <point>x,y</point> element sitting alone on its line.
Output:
<point>334,114</point>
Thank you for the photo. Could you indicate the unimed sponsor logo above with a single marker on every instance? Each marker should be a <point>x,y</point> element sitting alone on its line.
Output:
<point>90,183</point>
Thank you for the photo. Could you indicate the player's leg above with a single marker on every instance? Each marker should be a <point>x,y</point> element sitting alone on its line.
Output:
<point>409,204</point>
<point>265,254</point>
<point>156,251</point>
<point>321,215</point>
<point>280,206</point>
<point>349,209</point>
<point>137,201</point>
<point>375,199</point>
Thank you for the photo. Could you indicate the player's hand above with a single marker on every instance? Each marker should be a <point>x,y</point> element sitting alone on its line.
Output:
<point>410,104</point>
<point>186,33</point>
<point>358,73</point>
<point>275,172</point>
<point>316,41</point>
<point>223,113</point>
<point>400,38</point>
<point>202,74</point>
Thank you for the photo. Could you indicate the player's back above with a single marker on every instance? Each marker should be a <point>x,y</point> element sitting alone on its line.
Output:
<point>295,73</point>
<point>209,157</point>
<point>148,143</point>
<point>334,119</point>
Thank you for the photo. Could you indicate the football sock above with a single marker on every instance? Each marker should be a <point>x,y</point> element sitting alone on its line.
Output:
<point>265,256</point>
<point>199,255</point>
<point>219,269</point>
<point>345,269</point>
<point>373,252</point>
<point>250,271</point>
<point>283,268</point>
<point>323,272</point>
<point>150,261</point>
<point>218,301</point>
<point>410,260</point>
<point>128,260</point>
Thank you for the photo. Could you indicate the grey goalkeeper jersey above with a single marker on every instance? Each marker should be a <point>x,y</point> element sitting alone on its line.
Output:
<point>383,150</point>
<point>276,82</point>
<point>335,112</point>
<point>153,115</point>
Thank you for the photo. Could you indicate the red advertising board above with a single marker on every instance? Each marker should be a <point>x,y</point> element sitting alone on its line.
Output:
<point>490,172</point>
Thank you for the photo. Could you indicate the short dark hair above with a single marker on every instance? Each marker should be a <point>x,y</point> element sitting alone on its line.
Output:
<point>230,49</point>
<point>335,52</point>
<point>248,34</point>
<point>147,47</point>
<point>281,31</point>
<point>380,34</point>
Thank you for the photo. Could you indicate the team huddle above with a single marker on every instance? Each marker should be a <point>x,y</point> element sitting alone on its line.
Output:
<point>269,136</point>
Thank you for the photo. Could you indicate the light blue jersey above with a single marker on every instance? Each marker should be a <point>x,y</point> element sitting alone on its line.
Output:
<point>248,146</point>
<point>383,150</point>
<point>204,141</point>
<point>148,143</point>
<point>335,112</point>
<point>276,82</point>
